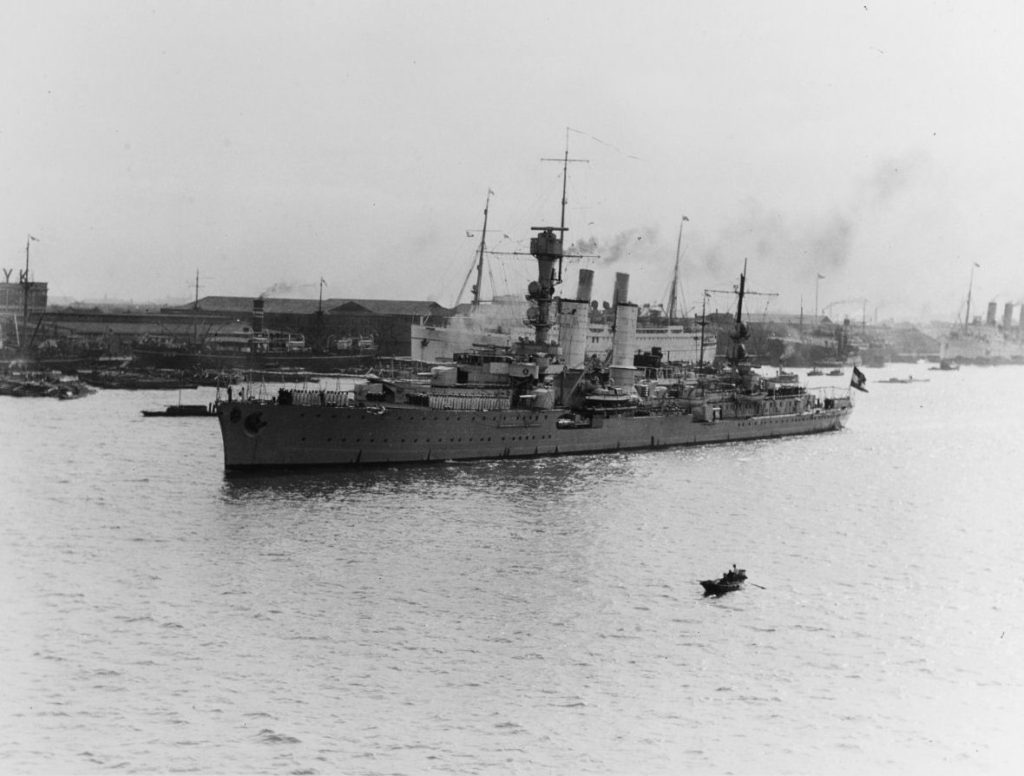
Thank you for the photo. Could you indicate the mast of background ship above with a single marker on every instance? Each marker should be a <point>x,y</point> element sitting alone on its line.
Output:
<point>703,323</point>
<point>26,285</point>
<point>319,330</point>
<point>480,261</point>
<point>195,315</point>
<point>673,301</point>
<point>970,286</point>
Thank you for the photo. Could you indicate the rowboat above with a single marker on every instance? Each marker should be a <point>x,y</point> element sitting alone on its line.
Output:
<point>731,580</point>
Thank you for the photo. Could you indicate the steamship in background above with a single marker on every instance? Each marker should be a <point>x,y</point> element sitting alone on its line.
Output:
<point>987,343</point>
<point>538,396</point>
<point>505,321</point>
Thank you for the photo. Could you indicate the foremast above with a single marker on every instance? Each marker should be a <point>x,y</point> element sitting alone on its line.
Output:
<point>547,249</point>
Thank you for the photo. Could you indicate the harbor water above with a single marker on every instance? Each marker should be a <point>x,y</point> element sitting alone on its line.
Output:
<point>519,617</point>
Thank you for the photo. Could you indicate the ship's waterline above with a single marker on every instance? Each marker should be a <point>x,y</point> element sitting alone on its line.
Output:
<point>274,435</point>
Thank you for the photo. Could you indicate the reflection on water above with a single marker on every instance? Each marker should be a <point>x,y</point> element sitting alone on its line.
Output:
<point>315,484</point>
<point>534,478</point>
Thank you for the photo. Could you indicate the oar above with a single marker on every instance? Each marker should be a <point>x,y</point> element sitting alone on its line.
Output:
<point>757,585</point>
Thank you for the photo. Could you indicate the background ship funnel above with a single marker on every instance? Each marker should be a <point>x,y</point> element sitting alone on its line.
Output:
<point>621,295</point>
<point>585,287</point>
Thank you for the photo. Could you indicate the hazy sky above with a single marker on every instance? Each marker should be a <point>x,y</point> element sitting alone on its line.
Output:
<point>269,144</point>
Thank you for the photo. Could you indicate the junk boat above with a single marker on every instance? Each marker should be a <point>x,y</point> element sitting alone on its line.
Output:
<point>50,385</point>
<point>731,580</point>
<point>534,398</point>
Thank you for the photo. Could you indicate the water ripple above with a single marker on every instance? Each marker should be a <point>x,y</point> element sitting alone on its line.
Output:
<point>517,617</point>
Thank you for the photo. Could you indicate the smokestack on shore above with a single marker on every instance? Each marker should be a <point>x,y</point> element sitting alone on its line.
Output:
<point>257,315</point>
<point>1008,315</point>
<point>990,319</point>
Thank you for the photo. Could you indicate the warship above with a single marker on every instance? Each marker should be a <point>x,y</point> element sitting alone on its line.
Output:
<point>536,397</point>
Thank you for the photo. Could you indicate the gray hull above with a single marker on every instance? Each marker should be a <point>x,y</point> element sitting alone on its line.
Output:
<point>268,435</point>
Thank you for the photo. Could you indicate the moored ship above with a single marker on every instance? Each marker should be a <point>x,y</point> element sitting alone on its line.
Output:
<point>989,343</point>
<point>534,398</point>
<point>501,322</point>
<point>504,320</point>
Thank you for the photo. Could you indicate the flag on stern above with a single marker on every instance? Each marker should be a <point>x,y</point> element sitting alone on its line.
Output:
<point>858,379</point>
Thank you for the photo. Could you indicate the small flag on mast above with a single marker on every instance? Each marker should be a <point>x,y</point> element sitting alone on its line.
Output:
<point>858,379</point>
